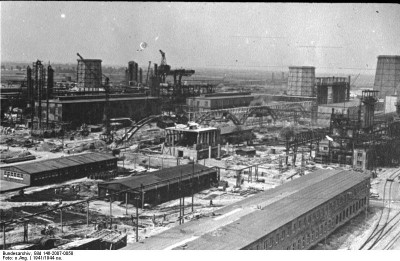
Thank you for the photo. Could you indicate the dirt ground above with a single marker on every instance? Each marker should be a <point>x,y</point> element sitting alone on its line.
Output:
<point>159,218</point>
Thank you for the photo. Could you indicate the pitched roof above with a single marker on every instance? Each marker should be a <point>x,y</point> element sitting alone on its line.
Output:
<point>59,163</point>
<point>159,176</point>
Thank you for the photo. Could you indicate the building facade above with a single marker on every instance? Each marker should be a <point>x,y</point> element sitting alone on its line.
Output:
<point>58,170</point>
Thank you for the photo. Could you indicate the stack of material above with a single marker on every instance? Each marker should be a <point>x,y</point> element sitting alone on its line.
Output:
<point>110,239</point>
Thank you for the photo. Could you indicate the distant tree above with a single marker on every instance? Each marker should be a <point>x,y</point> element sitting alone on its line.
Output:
<point>12,68</point>
<point>3,67</point>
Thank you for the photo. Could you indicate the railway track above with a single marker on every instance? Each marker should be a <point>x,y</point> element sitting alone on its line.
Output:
<point>386,222</point>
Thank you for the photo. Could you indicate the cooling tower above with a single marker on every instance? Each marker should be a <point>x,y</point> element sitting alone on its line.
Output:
<point>387,77</point>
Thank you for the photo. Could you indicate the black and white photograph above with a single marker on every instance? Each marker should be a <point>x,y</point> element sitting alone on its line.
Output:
<point>198,126</point>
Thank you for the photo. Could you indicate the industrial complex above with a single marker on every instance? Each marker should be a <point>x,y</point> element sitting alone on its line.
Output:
<point>159,157</point>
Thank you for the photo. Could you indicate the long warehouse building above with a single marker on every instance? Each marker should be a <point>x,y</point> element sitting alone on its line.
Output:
<point>49,171</point>
<point>162,185</point>
<point>295,215</point>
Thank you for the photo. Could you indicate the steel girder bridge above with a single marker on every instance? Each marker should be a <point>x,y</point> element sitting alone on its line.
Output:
<point>239,115</point>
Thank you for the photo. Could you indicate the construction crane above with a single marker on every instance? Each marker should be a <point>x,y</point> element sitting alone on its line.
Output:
<point>164,69</point>
<point>163,59</point>
<point>106,136</point>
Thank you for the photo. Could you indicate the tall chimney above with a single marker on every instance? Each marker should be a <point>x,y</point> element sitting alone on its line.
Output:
<point>136,72</point>
<point>31,94</point>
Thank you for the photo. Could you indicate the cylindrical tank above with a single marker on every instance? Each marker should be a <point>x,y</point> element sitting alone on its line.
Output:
<point>301,81</point>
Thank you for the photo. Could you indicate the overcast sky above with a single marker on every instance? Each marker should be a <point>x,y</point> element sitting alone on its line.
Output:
<point>256,35</point>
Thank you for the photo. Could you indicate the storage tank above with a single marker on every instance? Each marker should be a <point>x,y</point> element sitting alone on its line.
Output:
<point>301,81</point>
<point>387,76</point>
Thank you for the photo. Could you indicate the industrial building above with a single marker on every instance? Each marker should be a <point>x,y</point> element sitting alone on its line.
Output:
<point>332,89</point>
<point>359,137</point>
<point>193,142</point>
<point>350,108</point>
<point>295,215</point>
<point>57,170</point>
<point>90,109</point>
<point>387,76</point>
<point>219,101</point>
<point>162,185</point>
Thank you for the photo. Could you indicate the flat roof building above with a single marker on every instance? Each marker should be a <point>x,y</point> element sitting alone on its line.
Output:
<point>219,101</point>
<point>193,142</point>
<point>90,109</point>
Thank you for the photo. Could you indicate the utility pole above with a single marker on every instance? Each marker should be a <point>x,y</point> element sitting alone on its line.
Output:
<point>192,187</point>
<point>110,212</point>
<point>87,214</point>
<point>137,218</point>
<point>61,219</point>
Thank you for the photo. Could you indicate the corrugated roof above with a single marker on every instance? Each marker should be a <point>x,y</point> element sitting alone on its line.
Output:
<point>159,176</point>
<point>246,223</point>
<point>59,163</point>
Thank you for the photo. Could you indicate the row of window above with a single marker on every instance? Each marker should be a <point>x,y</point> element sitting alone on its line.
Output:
<point>309,219</point>
<point>303,241</point>
<point>317,231</point>
<point>14,175</point>
<point>311,236</point>
<point>350,210</point>
<point>66,172</point>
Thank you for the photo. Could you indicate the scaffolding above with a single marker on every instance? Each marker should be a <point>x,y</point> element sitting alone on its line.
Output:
<point>301,81</point>
<point>89,74</point>
<point>38,86</point>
